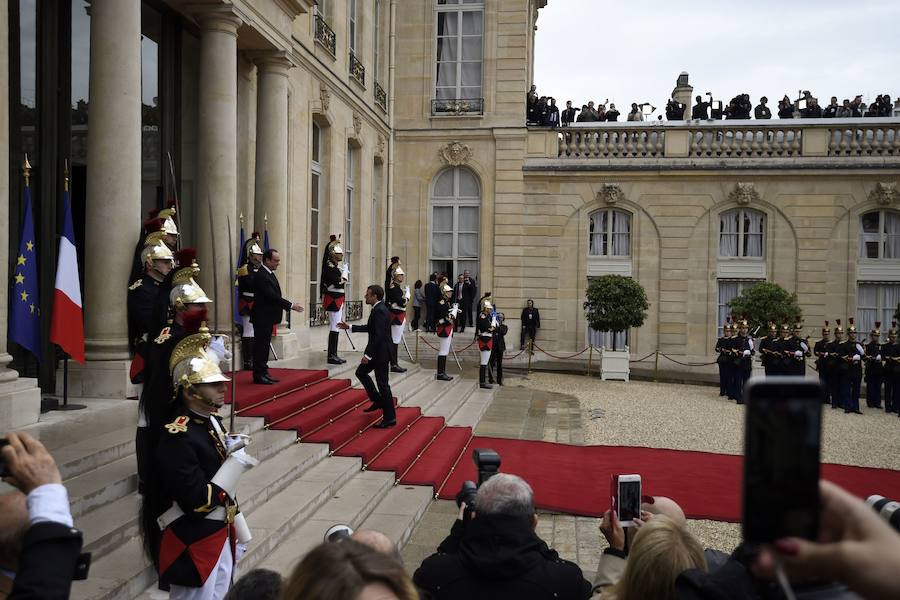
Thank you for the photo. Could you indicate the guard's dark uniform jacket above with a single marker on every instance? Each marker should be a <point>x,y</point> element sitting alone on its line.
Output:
<point>396,304</point>
<point>874,365</point>
<point>245,287</point>
<point>143,299</point>
<point>740,343</point>
<point>796,365</point>
<point>190,452</point>
<point>444,322</point>
<point>782,363</point>
<point>484,332</point>
<point>332,287</point>
<point>767,359</point>
<point>823,361</point>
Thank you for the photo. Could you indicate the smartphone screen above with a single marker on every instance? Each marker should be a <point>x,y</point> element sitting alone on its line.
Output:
<point>782,440</point>
<point>629,504</point>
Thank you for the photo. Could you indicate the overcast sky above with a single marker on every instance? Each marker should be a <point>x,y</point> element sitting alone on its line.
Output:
<point>633,51</point>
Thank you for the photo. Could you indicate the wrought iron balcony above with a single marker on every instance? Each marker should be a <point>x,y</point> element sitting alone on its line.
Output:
<point>357,70</point>
<point>325,35</point>
<point>352,312</point>
<point>380,97</point>
<point>457,106</point>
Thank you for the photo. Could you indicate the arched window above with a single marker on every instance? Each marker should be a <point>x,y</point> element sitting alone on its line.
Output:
<point>879,235</point>
<point>741,233</point>
<point>455,205</point>
<point>609,233</point>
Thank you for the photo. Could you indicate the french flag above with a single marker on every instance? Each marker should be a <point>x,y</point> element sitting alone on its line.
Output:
<point>67,326</point>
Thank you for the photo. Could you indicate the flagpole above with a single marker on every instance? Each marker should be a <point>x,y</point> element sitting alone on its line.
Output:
<point>65,405</point>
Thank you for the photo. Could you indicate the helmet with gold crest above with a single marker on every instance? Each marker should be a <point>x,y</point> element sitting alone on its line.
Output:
<point>192,363</point>
<point>185,289</point>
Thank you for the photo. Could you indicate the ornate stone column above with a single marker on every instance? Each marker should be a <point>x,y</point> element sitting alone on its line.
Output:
<point>113,196</point>
<point>20,399</point>
<point>272,144</point>
<point>217,153</point>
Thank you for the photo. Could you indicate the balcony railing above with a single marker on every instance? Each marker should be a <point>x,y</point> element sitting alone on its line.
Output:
<point>730,139</point>
<point>357,70</point>
<point>458,106</point>
<point>380,97</point>
<point>325,35</point>
<point>352,312</point>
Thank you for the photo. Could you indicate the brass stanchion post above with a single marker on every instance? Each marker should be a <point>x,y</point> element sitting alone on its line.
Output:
<point>656,369</point>
<point>530,354</point>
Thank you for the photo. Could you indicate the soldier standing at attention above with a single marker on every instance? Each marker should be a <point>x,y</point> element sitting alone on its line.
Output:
<point>254,254</point>
<point>200,466</point>
<point>444,318</point>
<point>890,352</point>
<point>840,388</point>
<point>874,367</point>
<point>765,350</point>
<point>824,363</point>
<point>782,361</point>
<point>799,349</point>
<point>396,297</point>
<point>744,354</point>
<point>335,275</point>
<point>722,359</point>
<point>853,353</point>
<point>484,334</point>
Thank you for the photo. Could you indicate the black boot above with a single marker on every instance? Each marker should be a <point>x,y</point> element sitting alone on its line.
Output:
<point>481,382</point>
<point>442,369</point>
<point>333,358</point>
<point>395,366</point>
<point>247,353</point>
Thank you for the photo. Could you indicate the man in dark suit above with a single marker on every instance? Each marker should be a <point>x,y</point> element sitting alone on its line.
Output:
<point>470,292</point>
<point>376,356</point>
<point>432,296</point>
<point>268,309</point>
<point>459,297</point>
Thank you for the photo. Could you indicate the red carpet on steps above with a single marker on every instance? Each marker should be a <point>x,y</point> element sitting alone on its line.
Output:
<point>575,479</point>
<point>374,441</point>
<point>401,454</point>
<point>248,393</point>
<point>438,458</point>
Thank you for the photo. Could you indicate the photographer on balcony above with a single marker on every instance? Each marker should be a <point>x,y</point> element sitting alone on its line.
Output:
<point>497,554</point>
<point>785,108</point>
<point>636,114</point>
<point>762,111</point>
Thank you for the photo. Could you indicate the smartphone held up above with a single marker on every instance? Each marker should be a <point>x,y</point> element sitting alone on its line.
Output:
<point>782,442</point>
<point>626,492</point>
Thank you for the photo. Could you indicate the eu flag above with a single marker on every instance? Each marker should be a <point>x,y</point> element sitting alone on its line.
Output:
<point>24,312</point>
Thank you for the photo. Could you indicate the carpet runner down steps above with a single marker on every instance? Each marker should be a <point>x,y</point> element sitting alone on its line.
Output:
<point>301,486</point>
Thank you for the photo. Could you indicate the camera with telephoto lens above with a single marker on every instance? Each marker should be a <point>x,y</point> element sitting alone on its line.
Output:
<point>887,508</point>
<point>487,462</point>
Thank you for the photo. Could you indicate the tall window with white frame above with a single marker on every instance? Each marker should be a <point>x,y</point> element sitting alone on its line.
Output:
<point>730,289</point>
<point>315,211</point>
<point>878,290</point>
<point>879,235</point>
<point>347,242</point>
<point>376,35</point>
<point>460,33</point>
<point>609,233</point>
<point>352,31</point>
<point>455,206</point>
<point>741,233</point>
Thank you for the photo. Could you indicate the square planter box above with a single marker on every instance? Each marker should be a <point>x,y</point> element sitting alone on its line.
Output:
<point>614,364</point>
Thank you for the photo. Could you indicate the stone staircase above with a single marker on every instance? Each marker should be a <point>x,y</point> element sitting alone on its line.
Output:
<point>297,492</point>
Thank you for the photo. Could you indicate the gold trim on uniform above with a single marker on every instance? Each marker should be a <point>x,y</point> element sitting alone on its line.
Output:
<point>164,335</point>
<point>208,506</point>
<point>135,285</point>
<point>179,425</point>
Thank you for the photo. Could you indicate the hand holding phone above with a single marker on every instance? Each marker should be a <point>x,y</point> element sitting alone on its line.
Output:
<point>628,499</point>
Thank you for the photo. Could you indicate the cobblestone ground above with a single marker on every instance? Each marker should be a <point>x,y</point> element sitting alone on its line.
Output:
<point>686,417</point>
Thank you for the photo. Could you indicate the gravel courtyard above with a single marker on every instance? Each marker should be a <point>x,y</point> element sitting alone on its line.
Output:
<point>689,417</point>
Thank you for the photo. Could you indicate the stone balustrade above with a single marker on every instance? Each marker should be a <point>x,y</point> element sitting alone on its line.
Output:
<point>777,139</point>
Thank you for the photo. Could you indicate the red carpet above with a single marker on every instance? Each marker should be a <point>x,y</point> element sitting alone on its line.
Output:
<point>249,394</point>
<point>575,479</point>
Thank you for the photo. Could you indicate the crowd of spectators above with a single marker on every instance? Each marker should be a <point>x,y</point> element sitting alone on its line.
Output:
<point>543,111</point>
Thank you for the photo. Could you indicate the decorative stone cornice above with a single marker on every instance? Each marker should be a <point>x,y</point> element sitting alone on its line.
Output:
<point>324,96</point>
<point>744,193</point>
<point>216,18</point>
<point>610,193</point>
<point>272,61</point>
<point>884,194</point>
<point>455,154</point>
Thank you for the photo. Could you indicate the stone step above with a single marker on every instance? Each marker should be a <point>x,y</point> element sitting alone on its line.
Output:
<point>470,412</point>
<point>269,442</point>
<point>408,387</point>
<point>110,525</point>
<point>122,574</point>
<point>447,405</point>
<point>433,391</point>
<point>102,485</point>
<point>94,451</point>
<point>398,513</point>
<point>352,504</point>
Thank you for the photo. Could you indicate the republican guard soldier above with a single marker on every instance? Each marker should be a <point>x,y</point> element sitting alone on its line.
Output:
<point>335,275</point>
<point>782,346</point>
<point>254,255</point>
<point>798,350</point>
<point>853,353</point>
<point>767,357</point>
<point>397,296</point>
<point>484,334</point>
<point>874,367</point>
<point>825,362</point>
<point>200,464</point>
<point>744,350</point>
<point>840,395</point>
<point>890,351</point>
<point>445,317</point>
<point>722,359</point>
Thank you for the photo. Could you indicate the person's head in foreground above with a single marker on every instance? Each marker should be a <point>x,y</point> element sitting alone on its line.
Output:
<point>348,571</point>
<point>258,584</point>
<point>661,550</point>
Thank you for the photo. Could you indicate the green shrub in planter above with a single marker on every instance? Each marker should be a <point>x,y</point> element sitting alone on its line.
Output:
<point>615,303</point>
<point>765,302</point>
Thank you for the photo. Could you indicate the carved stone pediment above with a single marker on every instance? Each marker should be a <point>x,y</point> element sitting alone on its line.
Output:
<point>455,154</point>
<point>325,97</point>
<point>610,193</point>
<point>884,194</point>
<point>744,194</point>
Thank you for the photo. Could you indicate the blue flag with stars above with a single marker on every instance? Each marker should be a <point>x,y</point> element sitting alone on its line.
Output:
<point>24,310</point>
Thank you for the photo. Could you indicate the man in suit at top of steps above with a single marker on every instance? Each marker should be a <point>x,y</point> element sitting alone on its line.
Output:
<point>268,309</point>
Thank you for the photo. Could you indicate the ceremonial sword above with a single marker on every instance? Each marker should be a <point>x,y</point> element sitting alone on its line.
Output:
<point>233,378</point>
<point>212,235</point>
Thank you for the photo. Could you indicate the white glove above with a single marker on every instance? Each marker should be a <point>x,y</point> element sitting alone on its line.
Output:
<point>406,293</point>
<point>856,358</point>
<point>217,347</point>
<point>798,353</point>
<point>236,441</point>
<point>746,353</point>
<point>877,357</point>
<point>455,310</point>
<point>239,551</point>
<point>345,271</point>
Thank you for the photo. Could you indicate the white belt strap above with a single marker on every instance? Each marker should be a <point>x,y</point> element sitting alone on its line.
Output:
<point>174,513</point>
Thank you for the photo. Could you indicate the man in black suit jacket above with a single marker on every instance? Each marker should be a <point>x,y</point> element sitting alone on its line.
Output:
<point>267,311</point>
<point>432,296</point>
<point>377,356</point>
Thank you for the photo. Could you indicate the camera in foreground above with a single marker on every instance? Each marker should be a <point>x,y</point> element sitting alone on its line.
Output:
<point>887,508</point>
<point>487,463</point>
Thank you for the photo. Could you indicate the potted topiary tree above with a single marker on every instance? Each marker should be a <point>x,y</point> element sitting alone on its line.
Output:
<point>615,303</point>
<point>763,303</point>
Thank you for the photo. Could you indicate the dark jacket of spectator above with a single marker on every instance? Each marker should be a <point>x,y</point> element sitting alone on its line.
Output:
<point>612,114</point>
<point>499,556</point>
<point>568,114</point>
<point>47,563</point>
<point>432,295</point>
<point>700,110</point>
<point>762,112</point>
<point>785,108</point>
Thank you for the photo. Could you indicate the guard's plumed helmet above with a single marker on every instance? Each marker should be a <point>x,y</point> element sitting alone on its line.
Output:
<point>876,331</point>
<point>252,246</point>
<point>155,248</point>
<point>397,272</point>
<point>893,330</point>
<point>837,326</point>
<point>446,290</point>
<point>191,364</point>
<point>798,324</point>
<point>334,247</point>
<point>773,328</point>
<point>851,326</point>
<point>826,330</point>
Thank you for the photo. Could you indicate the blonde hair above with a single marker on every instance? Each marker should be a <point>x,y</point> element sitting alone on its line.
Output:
<point>661,550</point>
